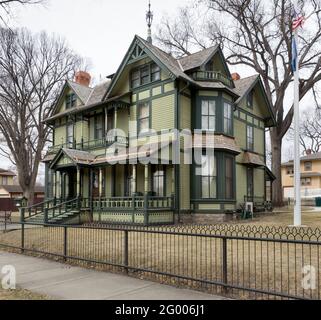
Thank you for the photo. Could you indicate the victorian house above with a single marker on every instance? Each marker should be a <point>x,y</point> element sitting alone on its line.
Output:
<point>92,172</point>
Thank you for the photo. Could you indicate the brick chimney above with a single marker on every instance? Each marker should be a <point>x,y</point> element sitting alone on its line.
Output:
<point>309,152</point>
<point>236,76</point>
<point>83,78</point>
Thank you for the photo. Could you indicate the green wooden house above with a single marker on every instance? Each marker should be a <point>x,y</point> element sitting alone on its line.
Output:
<point>151,94</point>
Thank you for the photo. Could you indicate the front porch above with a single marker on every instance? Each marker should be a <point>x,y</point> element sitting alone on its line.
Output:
<point>121,193</point>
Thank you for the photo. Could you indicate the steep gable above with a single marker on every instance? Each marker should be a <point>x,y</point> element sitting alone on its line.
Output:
<point>261,106</point>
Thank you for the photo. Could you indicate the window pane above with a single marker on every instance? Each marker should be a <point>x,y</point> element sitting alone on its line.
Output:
<point>144,124</point>
<point>205,108</point>
<point>156,72</point>
<point>143,110</point>
<point>229,178</point>
<point>213,188</point>
<point>205,188</point>
<point>205,124</point>
<point>145,75</point>
<point>212,108</point>
<point>211,124</point>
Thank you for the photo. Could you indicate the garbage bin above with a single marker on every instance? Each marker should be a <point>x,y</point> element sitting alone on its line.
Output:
<point>318,202</point>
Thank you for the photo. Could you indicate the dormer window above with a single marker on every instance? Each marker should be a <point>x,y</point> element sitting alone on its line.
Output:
<point>250,99</point>
<point>71,100</point>
<point>145,75</point>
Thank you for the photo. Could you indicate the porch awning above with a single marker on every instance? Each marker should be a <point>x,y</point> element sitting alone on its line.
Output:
<point>252,159</point>
<point>219,142</point>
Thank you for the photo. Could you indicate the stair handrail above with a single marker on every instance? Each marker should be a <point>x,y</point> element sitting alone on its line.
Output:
<point>29,209</point>
<point>59,208</point>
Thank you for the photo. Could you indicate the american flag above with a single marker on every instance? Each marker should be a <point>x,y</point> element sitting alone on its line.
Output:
<point>298,21</point>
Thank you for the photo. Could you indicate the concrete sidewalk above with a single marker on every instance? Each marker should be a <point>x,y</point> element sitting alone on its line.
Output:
<point>64,282</point>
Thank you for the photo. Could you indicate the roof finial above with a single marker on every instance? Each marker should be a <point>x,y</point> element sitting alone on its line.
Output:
<point>149,19</point>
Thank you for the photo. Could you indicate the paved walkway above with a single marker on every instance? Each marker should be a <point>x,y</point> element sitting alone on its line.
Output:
<point>64,282</point>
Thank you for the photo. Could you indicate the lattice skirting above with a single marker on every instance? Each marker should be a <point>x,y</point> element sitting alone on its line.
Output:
<point>133,218</point>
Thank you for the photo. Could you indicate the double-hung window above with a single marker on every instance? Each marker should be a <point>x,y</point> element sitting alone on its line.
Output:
<point>159,181</point>
<point>143,117</point>
<point>229,178</point>
<point>71,100</point>
<point>228,119</point>
<point>250,183</point>
<point>250,138</point>
<point>155,72</point>
<point>99,127</point>
<point>209,176</point>
<point>70,135</point>
<point>250,97</point>
<point>208,115</point>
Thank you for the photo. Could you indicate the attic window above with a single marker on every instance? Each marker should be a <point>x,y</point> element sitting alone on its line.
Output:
<point>145,75</point>
<point>71,101</point>
<point>250,99</point>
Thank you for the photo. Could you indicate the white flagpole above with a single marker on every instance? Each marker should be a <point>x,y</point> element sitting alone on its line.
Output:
<point>297,164</point>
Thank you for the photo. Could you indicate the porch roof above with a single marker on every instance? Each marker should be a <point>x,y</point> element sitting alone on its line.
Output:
<point>77,157</point>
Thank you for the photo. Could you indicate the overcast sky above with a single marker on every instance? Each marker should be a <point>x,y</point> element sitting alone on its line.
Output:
<point>100,30</point>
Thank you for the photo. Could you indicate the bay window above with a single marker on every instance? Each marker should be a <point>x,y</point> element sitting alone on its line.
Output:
<point>228,119</point>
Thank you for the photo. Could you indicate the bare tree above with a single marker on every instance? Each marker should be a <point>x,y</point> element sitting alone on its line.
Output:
<point>257,34</point>
<point>310,131</point>
<point>6,7</point>
<point>32,70</point>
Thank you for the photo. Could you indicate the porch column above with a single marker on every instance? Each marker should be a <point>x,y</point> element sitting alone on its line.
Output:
<point>59,184</point>
<point>134,183</point>
<point>106,122</point>
<point>116,118</point>
<point>54,184</point>
<point>78,182</point>
<point>146,179</point>
<point>173,180</point>
<point>100,182</point>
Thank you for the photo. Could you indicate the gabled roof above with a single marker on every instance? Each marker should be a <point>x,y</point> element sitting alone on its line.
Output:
<point>243,88</point>
<point>198,59</point>
<point>83,92</point>
<point>76,156</point>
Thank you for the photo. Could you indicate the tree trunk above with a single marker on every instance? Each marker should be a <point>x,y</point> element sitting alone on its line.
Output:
<point>277,194</point>
<point>30,195</point>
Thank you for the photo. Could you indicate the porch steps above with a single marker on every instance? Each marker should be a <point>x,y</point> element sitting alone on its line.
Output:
<point>39,219</point>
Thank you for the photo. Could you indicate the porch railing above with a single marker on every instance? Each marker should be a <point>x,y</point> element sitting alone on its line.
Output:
<point>212,76</point>
<point>61,209</point>
<point>146,202</point>
<point>39,208</point>
<point>105,142</point>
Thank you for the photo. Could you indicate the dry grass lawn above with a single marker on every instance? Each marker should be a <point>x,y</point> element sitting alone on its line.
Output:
<point>257,265</point>
<point>20,294</point>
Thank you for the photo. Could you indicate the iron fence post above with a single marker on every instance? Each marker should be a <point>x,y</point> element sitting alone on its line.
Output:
<point>22,215</point>
<point>65,243</point>
<point>224,264</point>
<point>46,216</point>
<point>22,237</point>
<point>126,251</point>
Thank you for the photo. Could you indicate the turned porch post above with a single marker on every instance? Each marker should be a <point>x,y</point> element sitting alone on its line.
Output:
<point>146,179</point>
<point>134,182</point>
<point>59,185</point>
<point>78,182</point>
<point>54,185</point>
<point>100,182</point>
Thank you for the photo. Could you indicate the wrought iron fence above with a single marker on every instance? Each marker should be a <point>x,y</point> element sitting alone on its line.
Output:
<point>234,260</point>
